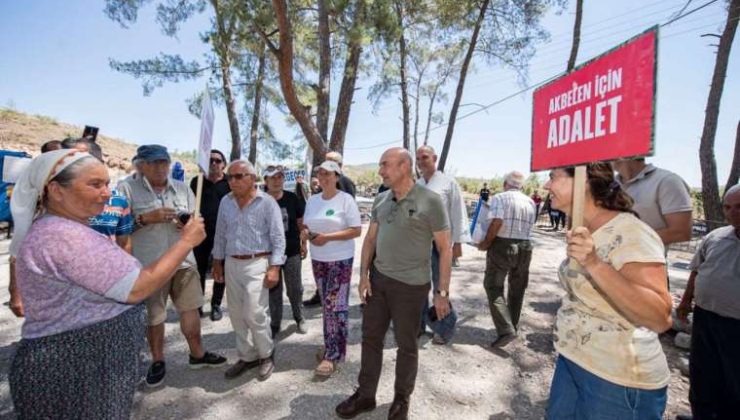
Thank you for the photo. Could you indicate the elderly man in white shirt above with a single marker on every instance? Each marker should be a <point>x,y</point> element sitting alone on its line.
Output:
<point>449,190</point>
<point>248,251</point>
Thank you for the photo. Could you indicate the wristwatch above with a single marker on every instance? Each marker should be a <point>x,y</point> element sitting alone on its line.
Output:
<point>443,293</point>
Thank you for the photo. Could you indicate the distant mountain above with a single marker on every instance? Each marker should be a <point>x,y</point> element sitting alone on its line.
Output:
<point>24,132</point>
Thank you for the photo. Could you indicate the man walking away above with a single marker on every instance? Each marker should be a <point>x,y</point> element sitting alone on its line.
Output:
<point>508,253</point>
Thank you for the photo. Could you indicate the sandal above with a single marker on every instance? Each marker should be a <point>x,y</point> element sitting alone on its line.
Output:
<point>325,369</point>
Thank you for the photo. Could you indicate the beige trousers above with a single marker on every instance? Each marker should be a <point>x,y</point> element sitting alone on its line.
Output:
<point>248,302</point>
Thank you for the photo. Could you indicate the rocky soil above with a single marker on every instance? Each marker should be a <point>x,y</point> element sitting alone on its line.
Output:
<point>463,380</point>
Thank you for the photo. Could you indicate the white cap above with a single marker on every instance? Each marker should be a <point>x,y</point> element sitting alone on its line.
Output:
<point>331,166</point>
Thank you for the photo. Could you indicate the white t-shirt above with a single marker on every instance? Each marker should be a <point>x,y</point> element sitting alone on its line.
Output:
<point>329,216</point>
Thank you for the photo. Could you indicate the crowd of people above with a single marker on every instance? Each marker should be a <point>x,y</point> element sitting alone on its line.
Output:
<point>89,305</point>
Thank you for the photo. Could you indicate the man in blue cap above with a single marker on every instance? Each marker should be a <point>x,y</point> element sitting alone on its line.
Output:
<point>156,200</point>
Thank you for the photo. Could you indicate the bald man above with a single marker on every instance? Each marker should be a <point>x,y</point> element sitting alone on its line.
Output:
<point>395,280</point>
<point>714,288</point>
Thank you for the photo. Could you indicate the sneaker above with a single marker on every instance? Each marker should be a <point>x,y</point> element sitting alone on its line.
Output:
<point>155,374</point>
<point>438,339</point>
<point>216,313</point>
<point>208,360</point>
<point>503,340</point>
<point>266,368</point>
<point>314,301</point>
<point>455,262</point>
<point>301,327</point>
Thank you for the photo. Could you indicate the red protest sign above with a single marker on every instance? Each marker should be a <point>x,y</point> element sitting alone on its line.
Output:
<point>603,110</point>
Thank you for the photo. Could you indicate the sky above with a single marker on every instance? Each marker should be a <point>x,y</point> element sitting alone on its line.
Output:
<point>55,62</point>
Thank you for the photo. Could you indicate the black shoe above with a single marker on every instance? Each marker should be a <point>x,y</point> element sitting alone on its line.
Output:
<point>208,360</point>
<point>400,408</point>
<point>155,374</point>
<point>355,405</point>
<point>216,313</point>
<point>274,331</point>
<point>315,300</point>
<point>240,367</point>
<point>503,340</point>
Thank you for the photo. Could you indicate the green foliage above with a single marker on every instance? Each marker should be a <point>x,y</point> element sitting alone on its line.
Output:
<point>154,72</point>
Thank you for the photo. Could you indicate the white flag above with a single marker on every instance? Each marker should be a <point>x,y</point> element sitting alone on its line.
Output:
<point>206,132</point>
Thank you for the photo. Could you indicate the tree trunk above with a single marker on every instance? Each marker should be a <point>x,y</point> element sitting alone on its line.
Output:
<point>404,81</point>
<point>254,129</point>
<point>576,36</point>
<point>223,48</point>
<point>284,56</point>
<point>322,93</point>
<point>709,187</point>
<point>417,101</point>
<point>735,167</point>
<point>349,79</point>
<point>236,142</point>
<point>461,85</point>
<point>430,111</point>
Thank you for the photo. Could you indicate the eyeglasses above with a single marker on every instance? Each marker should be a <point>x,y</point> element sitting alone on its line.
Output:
<point>216,161</point>
<point>237,176</point>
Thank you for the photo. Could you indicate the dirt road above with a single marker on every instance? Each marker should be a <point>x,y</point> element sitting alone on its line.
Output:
<point>463,380</point>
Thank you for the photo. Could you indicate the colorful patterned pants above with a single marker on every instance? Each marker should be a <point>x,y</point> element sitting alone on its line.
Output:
<point>332,280</point>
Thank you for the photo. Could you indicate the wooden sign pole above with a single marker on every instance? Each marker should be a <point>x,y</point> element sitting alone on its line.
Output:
<point>198,193</point>
<point>579,196</point>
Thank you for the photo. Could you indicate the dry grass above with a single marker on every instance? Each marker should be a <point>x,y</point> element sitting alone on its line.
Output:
<point>25,132</point>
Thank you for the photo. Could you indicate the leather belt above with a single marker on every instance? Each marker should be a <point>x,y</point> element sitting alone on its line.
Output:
<point>251,256</point>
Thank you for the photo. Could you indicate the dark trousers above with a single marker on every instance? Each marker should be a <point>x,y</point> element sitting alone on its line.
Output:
<point>401,303</point>
<point>290,274</point>
<point>203,260</point>
<point>714,366</point>
<point>507,257</point>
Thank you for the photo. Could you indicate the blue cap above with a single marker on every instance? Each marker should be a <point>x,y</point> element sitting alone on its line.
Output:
<point>151,153</point>
<point>444,327</point>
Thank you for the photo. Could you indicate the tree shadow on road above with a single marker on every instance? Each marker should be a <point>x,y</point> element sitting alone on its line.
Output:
<point>310,406</point>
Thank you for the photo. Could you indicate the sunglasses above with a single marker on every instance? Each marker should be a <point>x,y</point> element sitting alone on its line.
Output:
<point>274,168</point>
<point>216,161</point>
<point>237,176</point>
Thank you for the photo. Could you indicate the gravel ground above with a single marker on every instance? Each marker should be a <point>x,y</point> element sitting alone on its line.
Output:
<point>466,379</point>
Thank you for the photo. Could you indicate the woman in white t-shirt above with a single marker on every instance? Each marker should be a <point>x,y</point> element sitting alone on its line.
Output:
<point>331,223</point>
<point>610,363</point>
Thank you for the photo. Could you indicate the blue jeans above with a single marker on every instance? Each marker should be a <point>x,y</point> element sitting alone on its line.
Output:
<point>578,394</point>
<point>435,283</point>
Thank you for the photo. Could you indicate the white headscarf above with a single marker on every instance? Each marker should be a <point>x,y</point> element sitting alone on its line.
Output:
<point>29,190</point>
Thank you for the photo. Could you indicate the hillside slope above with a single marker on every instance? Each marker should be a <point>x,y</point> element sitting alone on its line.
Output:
<point>24,132</point>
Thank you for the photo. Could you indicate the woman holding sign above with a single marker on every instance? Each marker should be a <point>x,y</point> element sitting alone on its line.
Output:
<point>610,359</point>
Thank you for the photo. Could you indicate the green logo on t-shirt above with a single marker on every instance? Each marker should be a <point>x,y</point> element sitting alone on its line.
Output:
<point>330,212</point>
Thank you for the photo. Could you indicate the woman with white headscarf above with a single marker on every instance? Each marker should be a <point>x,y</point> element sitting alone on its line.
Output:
<point>78,356</point>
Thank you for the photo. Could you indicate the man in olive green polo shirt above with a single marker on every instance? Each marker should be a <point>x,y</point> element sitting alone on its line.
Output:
<point>405,221</point>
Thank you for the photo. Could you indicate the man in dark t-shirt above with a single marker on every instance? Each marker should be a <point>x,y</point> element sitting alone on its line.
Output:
<point>292,209</point>
<point>215,187</point>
